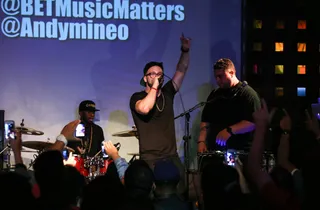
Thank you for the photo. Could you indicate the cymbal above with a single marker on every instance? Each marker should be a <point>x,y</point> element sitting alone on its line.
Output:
<point>24,150</point>
<point>29,131</point>
<point>37,145</point>
<point>136,154</point>
<point>126,133</point>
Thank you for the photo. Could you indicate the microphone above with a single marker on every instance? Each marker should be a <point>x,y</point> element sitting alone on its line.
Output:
<point>161,80</point>
<point>117,145</point>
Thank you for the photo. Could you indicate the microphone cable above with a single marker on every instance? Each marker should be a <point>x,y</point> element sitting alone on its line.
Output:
<point>187,170</point>
<point>178,91</point>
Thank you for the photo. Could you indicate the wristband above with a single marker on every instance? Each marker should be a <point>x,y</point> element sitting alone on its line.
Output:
<point>201,142</point>
<point>154,89</point>
<point>62,138</point>
<point>183,50</point>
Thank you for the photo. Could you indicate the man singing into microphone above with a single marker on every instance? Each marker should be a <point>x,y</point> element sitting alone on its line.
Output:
<point>226,121</point>
<point>153,115</point>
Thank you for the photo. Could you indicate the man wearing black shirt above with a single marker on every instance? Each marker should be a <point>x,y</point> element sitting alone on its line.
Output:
<point>91,143</point>
<point>152,111</point>
<point>226,121</point>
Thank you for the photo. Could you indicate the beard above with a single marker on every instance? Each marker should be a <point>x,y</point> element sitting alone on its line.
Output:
<point>85,120</point>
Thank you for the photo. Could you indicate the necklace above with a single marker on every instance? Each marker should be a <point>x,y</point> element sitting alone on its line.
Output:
<point>87,145</point>
<point>163,103</point>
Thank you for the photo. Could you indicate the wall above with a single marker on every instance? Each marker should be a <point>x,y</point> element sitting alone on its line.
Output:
<point>45,75</point>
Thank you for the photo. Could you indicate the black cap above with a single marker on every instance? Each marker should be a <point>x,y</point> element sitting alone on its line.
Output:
<point>88,105</point>
<point>147,67</point>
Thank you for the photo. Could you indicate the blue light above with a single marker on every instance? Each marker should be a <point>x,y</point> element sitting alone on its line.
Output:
<point>301,91</point>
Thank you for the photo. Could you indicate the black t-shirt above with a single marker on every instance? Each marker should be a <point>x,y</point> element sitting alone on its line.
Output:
<point>227,107</point>
<point>92,141</point>
<point>156,129</point>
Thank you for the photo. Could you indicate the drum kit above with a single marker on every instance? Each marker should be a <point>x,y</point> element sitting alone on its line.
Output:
<point>38,146</point>
<point>89,167</point>
<point>129,133</point>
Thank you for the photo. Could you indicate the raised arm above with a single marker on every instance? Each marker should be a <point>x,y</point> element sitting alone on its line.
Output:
<point>284,145</point>
<point>257,176</point>
<point>273,196</point>
<point>183,63</point>
<point>65,135</point>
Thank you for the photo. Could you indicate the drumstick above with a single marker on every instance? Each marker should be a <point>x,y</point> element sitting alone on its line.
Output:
<point>97,154</point>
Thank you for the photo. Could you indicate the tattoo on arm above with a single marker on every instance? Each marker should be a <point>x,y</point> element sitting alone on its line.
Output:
<point>183,62</point>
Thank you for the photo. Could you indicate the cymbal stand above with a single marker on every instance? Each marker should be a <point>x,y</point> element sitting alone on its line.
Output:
<point>8,150</point>
<point>35,156</point>
<point>134,157</point>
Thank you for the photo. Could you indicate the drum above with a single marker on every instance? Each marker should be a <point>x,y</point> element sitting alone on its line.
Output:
<point>227,157</point>
<point>81,165</point>
<point>93,167</point>
<point>103,167</point>
<point>208,158</point>
<point>97,166</point>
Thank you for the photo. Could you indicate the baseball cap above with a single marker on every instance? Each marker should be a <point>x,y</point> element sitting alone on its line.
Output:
<point>88,105</point>
<point>147,67</point>
<point>165,171</point>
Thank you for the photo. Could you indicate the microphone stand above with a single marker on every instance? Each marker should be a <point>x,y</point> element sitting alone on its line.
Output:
<point>186,139</point>
<point>8,150</point>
